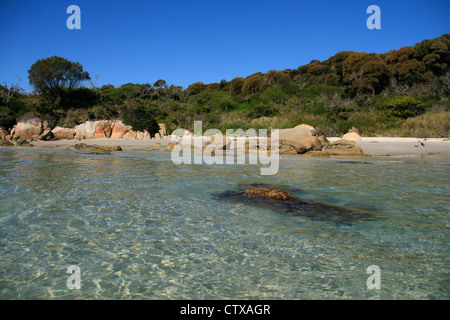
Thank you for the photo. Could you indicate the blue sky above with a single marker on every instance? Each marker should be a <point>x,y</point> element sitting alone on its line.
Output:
<point>197,40</point>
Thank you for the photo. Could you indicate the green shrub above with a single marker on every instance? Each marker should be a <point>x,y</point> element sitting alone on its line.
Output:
<point>79,98</point>
<point>317,109</point>
<point>315,90</point>
<point>140,118</point>
<point>105,111</point>
<point>430,124</point>
<point>74,117</point>
<point>7,118</point>
<point>272,94</point>
<point>402,107</point>
<point>236,86</point>
<point>263,111</point>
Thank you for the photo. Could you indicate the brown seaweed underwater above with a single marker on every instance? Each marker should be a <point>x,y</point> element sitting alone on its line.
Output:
<point>277,199</point>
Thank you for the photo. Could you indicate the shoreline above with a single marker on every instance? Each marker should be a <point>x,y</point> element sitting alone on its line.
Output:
<point>375,146</point>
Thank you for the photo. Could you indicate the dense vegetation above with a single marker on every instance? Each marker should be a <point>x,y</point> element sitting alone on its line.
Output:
<point>402,92</point>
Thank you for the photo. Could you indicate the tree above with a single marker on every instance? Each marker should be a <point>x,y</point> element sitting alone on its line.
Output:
<point>196,88</point>
<point>352,65</point>
<point>337,61</point>
<point>410,71</point>
<point>223,83</point>
<point>176,92</point>
<point>54,74</point>
<point>139,117</point>
<point>11,104</point>
<point>253,83</point>
<point>7,92</point>
<point>377,74</point>
<point>274,78</point>
<point>160,83</point>
<point>236,86</point>
<point>7,118</point>
<point>366,72</point>
<point>332,80</point>
<point>213,86</point>
<point>401,55</point>
<point>317,69</point>
<point>434,54</point>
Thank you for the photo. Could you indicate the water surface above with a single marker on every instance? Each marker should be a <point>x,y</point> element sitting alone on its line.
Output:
<point>140,227</point>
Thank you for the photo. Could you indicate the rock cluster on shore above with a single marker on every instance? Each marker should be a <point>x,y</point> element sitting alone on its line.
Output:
<point>302,139</point>
<point>35,129</point>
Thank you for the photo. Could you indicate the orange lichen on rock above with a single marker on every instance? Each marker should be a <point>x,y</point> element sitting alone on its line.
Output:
<point>270,193</point>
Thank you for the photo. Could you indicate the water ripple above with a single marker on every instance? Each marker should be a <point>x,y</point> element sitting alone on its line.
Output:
<point>140,227</point>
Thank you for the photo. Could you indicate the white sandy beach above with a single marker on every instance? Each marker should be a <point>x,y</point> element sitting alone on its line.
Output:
<point>393,146</point>
<point>378,146</point>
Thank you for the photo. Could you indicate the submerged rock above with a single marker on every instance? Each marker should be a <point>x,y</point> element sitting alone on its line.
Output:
<point>170,146</point>
<point>354,162</point>
<point>23,143</point>
<point>278,200</point>
<point>98,151</point>
<point>95,149</point>
<point>316,154</point>
<point>112,148</point>
<point>270,193</point>
<point>6,143</point>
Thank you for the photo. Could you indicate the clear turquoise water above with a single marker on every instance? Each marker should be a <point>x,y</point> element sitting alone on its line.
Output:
<point>140,227</point>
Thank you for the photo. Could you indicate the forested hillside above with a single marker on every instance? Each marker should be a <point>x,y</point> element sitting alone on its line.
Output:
<point>403,92</point>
